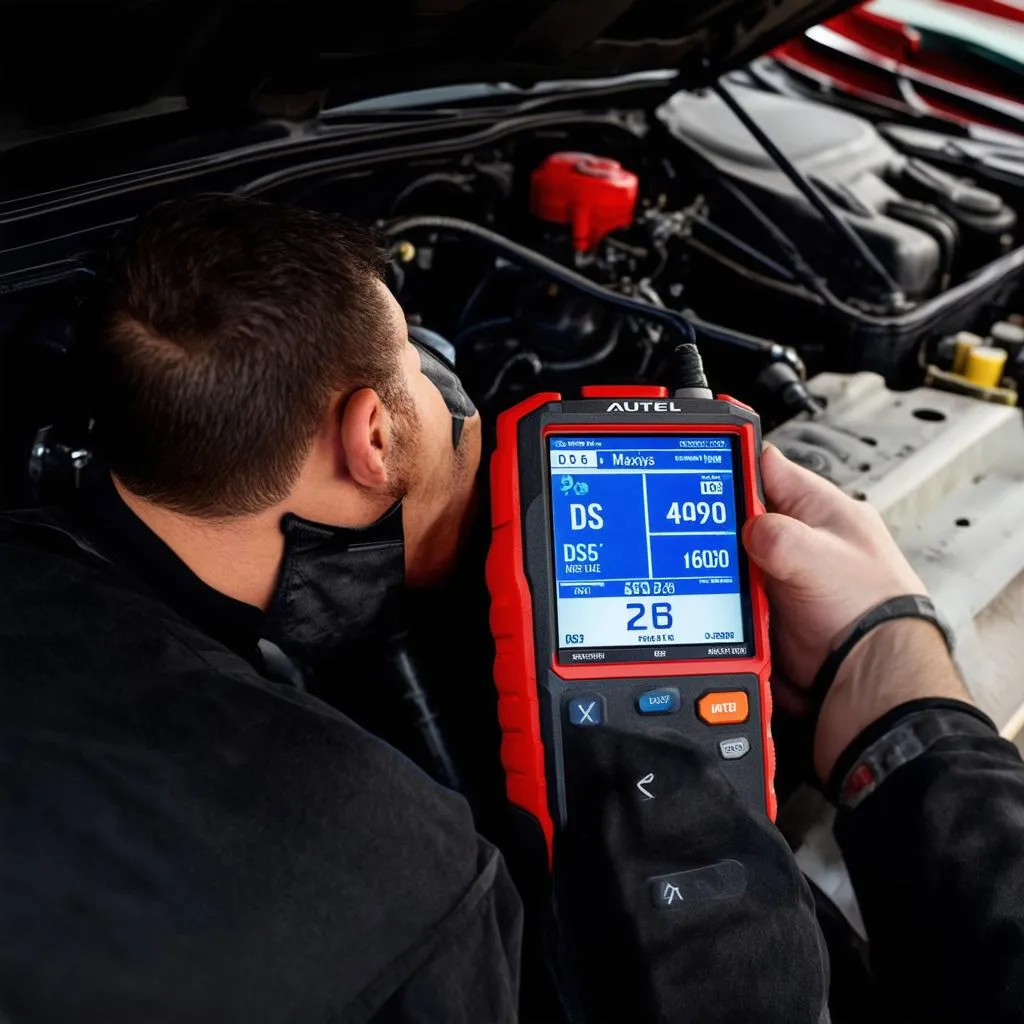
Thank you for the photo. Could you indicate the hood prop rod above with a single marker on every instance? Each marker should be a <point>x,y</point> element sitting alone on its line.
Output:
<point>812,194</point>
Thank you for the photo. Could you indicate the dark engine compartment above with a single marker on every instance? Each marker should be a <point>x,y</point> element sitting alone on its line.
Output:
<point>719,239</point>
<point>718,235</point>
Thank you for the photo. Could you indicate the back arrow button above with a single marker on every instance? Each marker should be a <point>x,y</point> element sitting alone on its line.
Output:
<point>644,783</point>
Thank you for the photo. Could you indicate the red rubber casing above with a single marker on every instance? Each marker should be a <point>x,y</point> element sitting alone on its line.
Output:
<point>529,767</point>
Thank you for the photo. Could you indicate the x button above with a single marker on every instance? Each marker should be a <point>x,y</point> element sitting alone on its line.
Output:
<point>586,709</point>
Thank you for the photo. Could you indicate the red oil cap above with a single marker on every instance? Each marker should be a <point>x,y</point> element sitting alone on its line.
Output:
<point>593,194</point>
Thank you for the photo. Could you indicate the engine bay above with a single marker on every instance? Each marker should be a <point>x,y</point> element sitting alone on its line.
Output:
<point>564,247</point>
<point>856,282</point>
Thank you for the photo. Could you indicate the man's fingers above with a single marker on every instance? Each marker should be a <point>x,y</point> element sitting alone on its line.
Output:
<point>783,547</point>
<point>795,491</point>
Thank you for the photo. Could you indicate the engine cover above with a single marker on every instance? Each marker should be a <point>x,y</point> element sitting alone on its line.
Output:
<point>922,223</point>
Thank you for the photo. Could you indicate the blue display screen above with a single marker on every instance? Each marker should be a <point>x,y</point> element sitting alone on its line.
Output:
<point>646,552</point>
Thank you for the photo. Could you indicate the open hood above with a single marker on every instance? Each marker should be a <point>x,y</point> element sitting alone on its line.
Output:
<point>66,63</point>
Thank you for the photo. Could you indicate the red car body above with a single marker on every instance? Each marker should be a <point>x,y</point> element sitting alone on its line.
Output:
<point>874,58</point>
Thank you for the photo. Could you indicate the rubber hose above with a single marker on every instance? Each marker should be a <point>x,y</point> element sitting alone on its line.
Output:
<point>524,256</point>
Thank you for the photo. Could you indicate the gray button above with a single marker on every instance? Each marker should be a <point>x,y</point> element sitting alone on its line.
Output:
<point>727,878</point>
<point>586,710</point>
<point>734,749</point>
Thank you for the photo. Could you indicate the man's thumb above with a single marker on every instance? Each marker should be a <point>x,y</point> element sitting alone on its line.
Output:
<point>780,545</point>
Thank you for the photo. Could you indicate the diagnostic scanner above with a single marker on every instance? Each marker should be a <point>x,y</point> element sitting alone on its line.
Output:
<point>621,596</point>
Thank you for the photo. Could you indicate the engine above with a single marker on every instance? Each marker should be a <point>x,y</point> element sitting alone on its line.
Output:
<point>786,237</point>
<point>726,235</point>
<point>570,242</point>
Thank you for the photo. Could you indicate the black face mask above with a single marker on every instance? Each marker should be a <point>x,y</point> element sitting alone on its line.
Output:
<point>340,586</point>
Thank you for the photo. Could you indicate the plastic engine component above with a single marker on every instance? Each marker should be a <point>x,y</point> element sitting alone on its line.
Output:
<point>593,194</point>
<point>947,473</point>
<point>985,366</point>
<point>918,220</point>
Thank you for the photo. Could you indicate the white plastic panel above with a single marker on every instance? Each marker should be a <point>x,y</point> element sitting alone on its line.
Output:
<point>947,474</point>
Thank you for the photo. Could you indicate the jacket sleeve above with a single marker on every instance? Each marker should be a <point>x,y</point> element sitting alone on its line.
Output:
<point>465,971</point>
<point>931,824</point>
<point>685,905</point>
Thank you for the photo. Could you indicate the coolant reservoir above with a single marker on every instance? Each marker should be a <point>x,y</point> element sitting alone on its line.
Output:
<point>593,194</point>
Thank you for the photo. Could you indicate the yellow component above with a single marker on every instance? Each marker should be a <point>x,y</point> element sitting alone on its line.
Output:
<point>943,380</point>
<point>405,251</point>
<point>965,341</point>
<point>985,366</point>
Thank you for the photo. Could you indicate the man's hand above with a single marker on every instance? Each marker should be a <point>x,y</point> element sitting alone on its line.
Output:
<point>829,559</point>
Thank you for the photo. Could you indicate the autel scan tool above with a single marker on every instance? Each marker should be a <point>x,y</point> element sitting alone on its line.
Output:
<point>620,591</point>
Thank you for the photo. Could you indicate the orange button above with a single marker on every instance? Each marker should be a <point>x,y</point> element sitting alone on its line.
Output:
<point>728,708</point>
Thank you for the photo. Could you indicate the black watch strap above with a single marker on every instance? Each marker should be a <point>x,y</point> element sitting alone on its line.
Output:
<point>910,606</point>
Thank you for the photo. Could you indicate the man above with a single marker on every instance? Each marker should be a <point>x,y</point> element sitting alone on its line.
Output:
<point>182,838</point>
<point>186,838</point>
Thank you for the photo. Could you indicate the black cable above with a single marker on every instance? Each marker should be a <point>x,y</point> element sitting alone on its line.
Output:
<point>814,287</point>
<point>797,291</point>
<point>810,192</point>
<point>690,380</point>
<point>686,324</point>
<point>424,717</point>
<point>785,244</point>
<point>748,250</point>
<point>525,256</point>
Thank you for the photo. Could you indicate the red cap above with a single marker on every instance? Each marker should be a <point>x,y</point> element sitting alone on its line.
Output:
<point>593,194</point>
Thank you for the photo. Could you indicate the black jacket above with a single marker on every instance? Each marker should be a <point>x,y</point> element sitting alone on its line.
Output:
<point>183,840</point>
<point>931,824</point>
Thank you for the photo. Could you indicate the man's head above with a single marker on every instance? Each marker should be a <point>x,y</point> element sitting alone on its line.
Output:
<point>251,361</point>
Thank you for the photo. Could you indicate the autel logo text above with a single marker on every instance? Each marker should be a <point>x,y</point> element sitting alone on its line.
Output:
<point>637,406</point>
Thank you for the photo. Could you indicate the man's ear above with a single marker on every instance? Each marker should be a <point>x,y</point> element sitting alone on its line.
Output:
<point>365,434</point>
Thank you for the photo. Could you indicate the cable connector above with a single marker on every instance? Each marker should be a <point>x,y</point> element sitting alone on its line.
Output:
<point>690,379</point>
<point>783,382</point>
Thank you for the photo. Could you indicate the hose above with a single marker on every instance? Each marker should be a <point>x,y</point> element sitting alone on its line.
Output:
<point>686,324</point>
<point>525,256</point>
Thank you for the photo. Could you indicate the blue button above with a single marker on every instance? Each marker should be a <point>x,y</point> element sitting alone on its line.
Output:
<point>658,702</point>
<point>586,710</point>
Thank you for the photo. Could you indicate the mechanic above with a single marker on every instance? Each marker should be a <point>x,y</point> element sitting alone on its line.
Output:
<point>186,838</point>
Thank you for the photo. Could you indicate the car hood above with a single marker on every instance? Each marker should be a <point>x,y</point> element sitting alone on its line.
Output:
<point>67,63</point>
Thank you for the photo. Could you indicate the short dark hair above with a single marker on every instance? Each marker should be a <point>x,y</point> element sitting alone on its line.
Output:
<point>220,330</point>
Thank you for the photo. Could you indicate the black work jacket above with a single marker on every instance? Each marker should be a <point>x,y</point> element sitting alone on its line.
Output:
<point>184,840</point>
